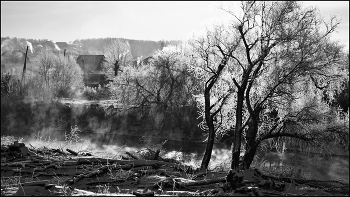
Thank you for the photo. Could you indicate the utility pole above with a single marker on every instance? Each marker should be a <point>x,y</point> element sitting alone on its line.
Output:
<point>24,66</point>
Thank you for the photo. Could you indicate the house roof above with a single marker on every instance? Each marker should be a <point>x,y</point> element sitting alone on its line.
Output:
<point>62,45</point>
<point>91,63</point>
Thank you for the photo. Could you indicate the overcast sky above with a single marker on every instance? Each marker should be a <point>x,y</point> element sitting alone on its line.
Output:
<point>69,20</point>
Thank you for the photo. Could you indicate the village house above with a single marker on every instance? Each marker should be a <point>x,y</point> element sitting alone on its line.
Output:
<point>62,45</point>
<point>92,68</point>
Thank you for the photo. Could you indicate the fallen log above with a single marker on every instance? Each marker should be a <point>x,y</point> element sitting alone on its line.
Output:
<point>199,174</point>
<point>179,183</point>
<point>125,158</point>
<point>131,155</point>
<point>35,183</point>
<point>139,194</point>
<point>205,182</point>
<point>139,163</point>
<point>59,151</point>
<point>105,168</point>
<point>72,152</point>
<point>183,193</point>
<point>162,172</point>
<point>92,160</point>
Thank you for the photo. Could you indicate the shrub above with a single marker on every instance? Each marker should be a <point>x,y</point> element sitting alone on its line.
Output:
<point>11,88</point>
<point>91,93</point>
<point>57,76</point>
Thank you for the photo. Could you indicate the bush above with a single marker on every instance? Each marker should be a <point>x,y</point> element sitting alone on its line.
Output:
<point>11,88</point>
<point>91,93</point>
<point>57,76</point>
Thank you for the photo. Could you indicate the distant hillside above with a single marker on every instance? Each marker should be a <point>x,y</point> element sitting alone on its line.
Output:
<point>92,46</point>
<point>138,47</point>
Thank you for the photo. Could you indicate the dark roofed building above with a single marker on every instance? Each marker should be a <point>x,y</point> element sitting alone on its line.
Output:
<point>62,45</point>
<point>92,67</point>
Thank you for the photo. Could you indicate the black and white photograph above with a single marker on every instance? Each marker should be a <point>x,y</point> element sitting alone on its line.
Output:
<point>174,98</point>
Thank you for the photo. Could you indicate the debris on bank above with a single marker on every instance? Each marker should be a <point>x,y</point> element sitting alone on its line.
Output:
<point>67,172</point>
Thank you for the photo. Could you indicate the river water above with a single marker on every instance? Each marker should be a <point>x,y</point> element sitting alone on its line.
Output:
<point>291,163</point>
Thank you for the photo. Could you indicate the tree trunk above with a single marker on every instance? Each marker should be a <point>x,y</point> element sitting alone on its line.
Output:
<point>116,67</point>
<point>236,140</point>
<point>211,137</point>
<point>208,149</point>
<point>251,144</point>
<point>249,155</point>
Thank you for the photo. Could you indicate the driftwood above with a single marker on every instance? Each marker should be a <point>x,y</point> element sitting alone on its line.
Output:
<point>131,155</point>
<point>59,151</point>
<point>115,166</point>
<point>149,175</point>
<point>35,183</point>
<point>204,182</point>
<point>72,152</point>
<point>199,174</point>
<point>138,194</point>
<point>180,183</point>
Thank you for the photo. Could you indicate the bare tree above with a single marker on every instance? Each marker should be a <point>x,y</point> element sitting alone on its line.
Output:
<point>56,75</point>
<point>159,81</point>
<point>260,57</point>
<point>118,55</point>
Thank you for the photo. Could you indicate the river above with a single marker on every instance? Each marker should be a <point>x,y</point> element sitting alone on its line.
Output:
<point>290,162</point>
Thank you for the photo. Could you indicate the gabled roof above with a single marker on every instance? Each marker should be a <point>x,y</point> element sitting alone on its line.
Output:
<point>91,63</point>
<point>62,45</point>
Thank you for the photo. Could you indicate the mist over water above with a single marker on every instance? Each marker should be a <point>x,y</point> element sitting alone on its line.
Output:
<point>52,121</point>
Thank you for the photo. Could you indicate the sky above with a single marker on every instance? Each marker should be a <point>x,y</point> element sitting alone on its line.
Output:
<point>64,21</point>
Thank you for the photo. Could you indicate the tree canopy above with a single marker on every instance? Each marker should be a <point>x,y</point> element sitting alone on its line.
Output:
<point>266,59</point>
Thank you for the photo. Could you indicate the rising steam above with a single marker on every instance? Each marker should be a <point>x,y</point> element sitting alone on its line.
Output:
<point>30,47</point>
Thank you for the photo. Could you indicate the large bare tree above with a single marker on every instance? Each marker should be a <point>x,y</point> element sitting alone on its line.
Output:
<point>257,65</point>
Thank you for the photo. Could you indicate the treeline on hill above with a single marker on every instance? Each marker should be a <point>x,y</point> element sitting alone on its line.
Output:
<point>96,46</point>
<point>138,47</point>
<point>40,41</point>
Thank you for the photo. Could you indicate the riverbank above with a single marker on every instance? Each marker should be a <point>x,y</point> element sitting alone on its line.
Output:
<point>28,169</point>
